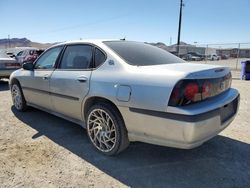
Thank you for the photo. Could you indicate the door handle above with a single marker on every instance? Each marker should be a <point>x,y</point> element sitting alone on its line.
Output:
<point>82,79</point>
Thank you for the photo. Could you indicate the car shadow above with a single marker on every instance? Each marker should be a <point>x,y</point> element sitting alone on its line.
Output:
<point>4,85</point>
<point>221,162</point>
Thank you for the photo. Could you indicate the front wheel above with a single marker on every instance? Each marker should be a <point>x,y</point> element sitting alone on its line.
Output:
<point>17,97</point>
<point>106,129</point>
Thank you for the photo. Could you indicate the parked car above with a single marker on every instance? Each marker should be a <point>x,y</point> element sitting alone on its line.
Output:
<point>225,56</point>
<point>10,54</point>
<point>28,55</point>
<point>196,54</point>
<point>189,57</point>
<point>213,57</point>
<point>7,66</point>
<point>124,91</point>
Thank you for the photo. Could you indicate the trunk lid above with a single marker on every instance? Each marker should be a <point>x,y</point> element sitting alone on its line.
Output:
<point>189,70</point>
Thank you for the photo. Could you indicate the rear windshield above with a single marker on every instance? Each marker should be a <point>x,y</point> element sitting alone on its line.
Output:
<point>141,54</point>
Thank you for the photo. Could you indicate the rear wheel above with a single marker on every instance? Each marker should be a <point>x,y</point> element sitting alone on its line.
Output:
<point>17,97</point>
<point>106,129</point>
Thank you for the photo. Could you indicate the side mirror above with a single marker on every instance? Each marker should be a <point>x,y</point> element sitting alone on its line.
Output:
<point>28,66</point>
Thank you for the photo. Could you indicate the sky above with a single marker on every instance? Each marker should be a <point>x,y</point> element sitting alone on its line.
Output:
<point>204,21</point>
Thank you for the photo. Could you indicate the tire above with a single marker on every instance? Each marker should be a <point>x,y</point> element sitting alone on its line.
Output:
<point>106,129</point>
<point>18,97</point>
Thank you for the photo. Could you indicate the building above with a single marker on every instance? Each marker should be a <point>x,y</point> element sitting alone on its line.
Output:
<point>234,52</point>
<point>187,48</point>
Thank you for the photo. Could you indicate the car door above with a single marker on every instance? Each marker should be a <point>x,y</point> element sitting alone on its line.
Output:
<point>70,82</point>
<point>36,84</point>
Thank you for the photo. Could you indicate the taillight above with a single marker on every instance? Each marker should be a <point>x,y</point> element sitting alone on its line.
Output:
<point>12,65</point>
<point>191,91</point>
<point>206,89</point>
<point>175,96</point>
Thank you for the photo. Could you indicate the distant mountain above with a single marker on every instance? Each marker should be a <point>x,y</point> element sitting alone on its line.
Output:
<point>22,42</point>
<point>170,48</point>
<point>160,45</point>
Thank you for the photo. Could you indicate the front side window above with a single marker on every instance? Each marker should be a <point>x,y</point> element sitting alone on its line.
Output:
<point>77,57</point>
<point>48,59</point>
<point>141,54</point>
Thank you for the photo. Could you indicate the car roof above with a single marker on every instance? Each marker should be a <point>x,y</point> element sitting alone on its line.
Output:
<point>92,41</point>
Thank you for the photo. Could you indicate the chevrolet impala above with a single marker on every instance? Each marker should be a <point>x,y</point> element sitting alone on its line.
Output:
<point>124,91</point>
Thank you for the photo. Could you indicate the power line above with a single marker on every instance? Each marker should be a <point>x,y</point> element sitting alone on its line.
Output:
<point>9,41</point>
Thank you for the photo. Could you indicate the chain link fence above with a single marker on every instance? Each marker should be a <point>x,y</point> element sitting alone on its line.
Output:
<point>225,54</point>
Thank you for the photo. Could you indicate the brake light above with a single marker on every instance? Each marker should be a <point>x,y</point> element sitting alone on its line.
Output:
<point>12,65</point>
<point>191,90</point>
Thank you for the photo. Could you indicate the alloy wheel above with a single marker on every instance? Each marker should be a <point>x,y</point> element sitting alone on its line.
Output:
<point>101,130</point>
<point>17,97</point>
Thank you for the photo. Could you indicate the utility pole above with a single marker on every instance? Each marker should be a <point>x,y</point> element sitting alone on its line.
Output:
<point>179,29</point>
<point>9,40</point>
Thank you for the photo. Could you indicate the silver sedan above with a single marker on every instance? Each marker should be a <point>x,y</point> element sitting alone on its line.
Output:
<point>7,66</point>
<point>124,91</point>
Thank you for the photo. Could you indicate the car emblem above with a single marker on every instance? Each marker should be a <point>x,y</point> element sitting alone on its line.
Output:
<point>111,62</point>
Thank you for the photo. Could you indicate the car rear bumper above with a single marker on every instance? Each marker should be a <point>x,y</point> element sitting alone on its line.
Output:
<point>179,130</point>
<point>5,73</point>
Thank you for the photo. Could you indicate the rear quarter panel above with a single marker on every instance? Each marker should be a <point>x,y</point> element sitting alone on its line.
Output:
<point>147,90</point>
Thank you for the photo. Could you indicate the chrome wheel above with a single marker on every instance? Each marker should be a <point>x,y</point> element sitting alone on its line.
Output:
<point>17,97</point>
<point>101,130</point>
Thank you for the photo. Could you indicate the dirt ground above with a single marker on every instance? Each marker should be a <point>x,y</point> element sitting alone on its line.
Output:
<point>233,63</point>
<point>40,150</point>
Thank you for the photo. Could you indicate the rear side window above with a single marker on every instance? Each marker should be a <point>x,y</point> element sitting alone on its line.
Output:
<point>141,54</point>
<point>99,57</point>
<point>77,57</point>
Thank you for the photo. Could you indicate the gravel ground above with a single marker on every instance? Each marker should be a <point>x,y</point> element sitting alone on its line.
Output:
<point>40,150</point>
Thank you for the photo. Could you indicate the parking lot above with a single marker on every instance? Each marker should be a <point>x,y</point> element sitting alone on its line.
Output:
<point>40,150</point>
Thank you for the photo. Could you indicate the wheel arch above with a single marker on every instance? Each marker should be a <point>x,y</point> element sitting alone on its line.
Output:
<point>96,99</point>
<point>124,140</point>
<point>14,80</point>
